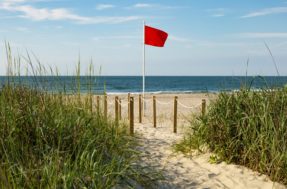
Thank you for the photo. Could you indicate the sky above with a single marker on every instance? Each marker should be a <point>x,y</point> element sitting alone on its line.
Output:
<point>206,37</point>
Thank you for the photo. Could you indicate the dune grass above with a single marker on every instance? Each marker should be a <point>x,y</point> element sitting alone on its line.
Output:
<point>247,128</point>
<point>54,140</point>
<point>48,141</point>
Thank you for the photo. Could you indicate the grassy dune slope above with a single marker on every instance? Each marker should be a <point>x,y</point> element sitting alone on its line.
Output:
<point>246,127</point>
<point>48,141</point>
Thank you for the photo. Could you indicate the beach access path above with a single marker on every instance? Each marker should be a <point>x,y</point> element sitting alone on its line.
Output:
<point>181,171</point>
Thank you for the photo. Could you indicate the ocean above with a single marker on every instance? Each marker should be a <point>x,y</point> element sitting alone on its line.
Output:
<point>154,84</point>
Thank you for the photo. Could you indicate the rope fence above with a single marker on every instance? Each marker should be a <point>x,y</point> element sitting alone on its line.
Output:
<point>189,107</point>
<point>130,102</point>
<point>164,103</point>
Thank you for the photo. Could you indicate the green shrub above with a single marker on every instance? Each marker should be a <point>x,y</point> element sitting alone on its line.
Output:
<point>245,127</point>
<point>55,141</point>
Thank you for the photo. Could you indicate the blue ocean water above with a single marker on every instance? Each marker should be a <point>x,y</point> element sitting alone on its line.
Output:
<point>154,84</point>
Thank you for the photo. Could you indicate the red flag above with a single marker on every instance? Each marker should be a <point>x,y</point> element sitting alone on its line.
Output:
<point>155,37</point>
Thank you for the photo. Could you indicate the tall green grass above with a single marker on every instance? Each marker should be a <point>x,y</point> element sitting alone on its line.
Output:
<point>247,128</point>
<point>55,140</point>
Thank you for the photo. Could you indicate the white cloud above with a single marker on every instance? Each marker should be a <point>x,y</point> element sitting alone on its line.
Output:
<point>219,12</point>
<point>41,14</point>
<point>24,1</point>
<point>263,35</point>
<point>264,12</point>
<point>143,5</point>
<point>154,6</point>
<point>104,6</point>
<point>15,1</point>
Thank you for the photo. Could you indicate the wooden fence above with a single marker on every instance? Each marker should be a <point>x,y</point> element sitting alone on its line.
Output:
<point>130,106</point>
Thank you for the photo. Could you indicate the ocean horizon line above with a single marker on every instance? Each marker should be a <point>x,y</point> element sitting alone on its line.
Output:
<point>153,84</point>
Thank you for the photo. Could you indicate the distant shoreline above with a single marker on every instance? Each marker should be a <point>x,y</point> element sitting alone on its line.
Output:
<point>153,84</point>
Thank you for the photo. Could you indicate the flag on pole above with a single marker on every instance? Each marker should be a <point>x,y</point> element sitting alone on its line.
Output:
<point>154,37</point>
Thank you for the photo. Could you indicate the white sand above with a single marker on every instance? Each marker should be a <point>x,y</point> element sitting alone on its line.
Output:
<point>196,172</point>
<point>186,172</point>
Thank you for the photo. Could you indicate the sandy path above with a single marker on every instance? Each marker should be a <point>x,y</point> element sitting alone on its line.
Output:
<point>180,171</point>
<point>196,172</point>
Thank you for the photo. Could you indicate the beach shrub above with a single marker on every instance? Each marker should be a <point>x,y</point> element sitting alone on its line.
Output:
<point>247,128</point>
<point>56,141</point>
<point>53,138</point>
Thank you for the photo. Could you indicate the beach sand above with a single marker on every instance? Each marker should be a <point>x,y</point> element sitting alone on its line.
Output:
<point>178,170</point>
<point>187,103</point>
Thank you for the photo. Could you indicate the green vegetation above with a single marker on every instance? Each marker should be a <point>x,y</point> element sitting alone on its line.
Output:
<point>247,128</point>
<point>54,140</point>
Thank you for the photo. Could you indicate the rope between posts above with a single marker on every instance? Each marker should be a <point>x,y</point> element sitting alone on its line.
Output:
<point>189,107</point>
<point>163,103</point>
<point>184,106</point>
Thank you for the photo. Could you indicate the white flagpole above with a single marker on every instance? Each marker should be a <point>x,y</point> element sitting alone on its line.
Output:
<point>143,68</point>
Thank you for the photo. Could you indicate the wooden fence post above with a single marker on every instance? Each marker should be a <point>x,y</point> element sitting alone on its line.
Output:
<point>129,95</point>
<point>120,109</point>
<point>91,102</point>
<point>117,110</point>
<point>175,115</point>
<point>154,111</point>
<point>131,105</point>
<point>203,107</point>
<point>140,108</point>
<point>106,106</point>
<point>98,104</point>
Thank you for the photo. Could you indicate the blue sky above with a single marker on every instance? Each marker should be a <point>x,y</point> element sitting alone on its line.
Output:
<point>206,37</point>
